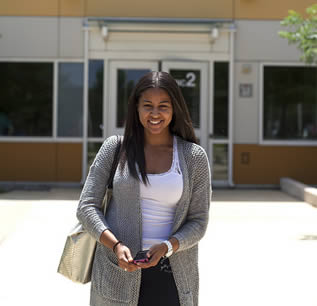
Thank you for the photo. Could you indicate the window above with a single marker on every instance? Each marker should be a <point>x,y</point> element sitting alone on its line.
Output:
<point>95,98</point>
<point>220,162</point>
<point>26,95</point>
<point>70,99</point>
<point>189,82</point>
<point>290,103</point>
<point>221,99</point>
<point>93,148</point>
<point>127,79</point>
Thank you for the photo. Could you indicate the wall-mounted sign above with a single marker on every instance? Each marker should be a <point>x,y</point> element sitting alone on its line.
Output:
<point>245,158</point>
<point>188,81</point>
<point>246,90</point>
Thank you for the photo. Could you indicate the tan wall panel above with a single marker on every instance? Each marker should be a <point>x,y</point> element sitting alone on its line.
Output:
<point>72,8</point>
<point>29,8</point>
<point>69,162</point>
<point>254,164</point>
<point>41,162</point>
<point>238,9</point>
<point>163,8</point>
<point>27,161</point>
<point>268,9</point>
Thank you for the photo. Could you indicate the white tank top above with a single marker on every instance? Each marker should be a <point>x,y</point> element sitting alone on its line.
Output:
<point>158,202</point>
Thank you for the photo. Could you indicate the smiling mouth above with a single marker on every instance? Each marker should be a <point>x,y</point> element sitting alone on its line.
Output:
<point>155,122</point>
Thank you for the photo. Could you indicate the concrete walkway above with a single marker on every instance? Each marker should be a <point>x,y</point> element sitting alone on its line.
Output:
<point>260,249</point>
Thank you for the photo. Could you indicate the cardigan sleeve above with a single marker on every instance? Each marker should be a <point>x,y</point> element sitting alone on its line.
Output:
<point>89,211</point>
<point>197,217</point>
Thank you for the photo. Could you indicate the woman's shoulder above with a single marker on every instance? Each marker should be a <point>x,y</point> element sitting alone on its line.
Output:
<point>112,141</point>
<point>110,144</point>
<point>192,149</point>
<point>196,159</point>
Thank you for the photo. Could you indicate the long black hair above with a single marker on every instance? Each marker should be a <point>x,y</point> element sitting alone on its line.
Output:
<point>132,148</point>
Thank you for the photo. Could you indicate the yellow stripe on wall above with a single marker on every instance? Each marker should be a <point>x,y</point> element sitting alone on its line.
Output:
<point>268,9</point>
<point>255,164</point>
<point>29,8</point>
<point>162,8</point>
<point>117,8</point>
<point>72,8</point>
<point>222,9</point>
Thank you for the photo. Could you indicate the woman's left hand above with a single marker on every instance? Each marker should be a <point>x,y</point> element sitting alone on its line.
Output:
<point>155,253</point>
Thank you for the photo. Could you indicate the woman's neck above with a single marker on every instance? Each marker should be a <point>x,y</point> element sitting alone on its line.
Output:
<point>158,140</point>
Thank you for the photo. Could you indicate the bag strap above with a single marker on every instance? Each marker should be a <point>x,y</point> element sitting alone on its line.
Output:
<point>115,163</point>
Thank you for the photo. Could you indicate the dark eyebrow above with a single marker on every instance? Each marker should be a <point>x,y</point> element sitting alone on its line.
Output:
<point>164,101</point>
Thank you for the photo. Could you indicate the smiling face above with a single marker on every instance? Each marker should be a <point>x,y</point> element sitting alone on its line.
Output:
<point>155,111</point>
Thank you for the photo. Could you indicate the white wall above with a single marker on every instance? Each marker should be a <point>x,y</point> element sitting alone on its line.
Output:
<point>259,41</point>
<point>28,37</point>
<point>256,42</point>
<point>71,37</point>
<point>40,37</point>
<point>246,110</point>
<point>158,38</point>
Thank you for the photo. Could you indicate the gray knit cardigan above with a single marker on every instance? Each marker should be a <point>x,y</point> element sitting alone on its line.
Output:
<point>111,285</point>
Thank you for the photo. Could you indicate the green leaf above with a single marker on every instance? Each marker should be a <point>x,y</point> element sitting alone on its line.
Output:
<point>283,34</point>
<point>293,13</point>
<point>302,32</point>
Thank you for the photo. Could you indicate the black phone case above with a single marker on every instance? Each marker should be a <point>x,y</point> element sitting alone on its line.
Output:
<point>141,255</point>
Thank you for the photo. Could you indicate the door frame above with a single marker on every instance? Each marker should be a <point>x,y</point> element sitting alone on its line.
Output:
<point>111,116</point>
<point>205,102</point>
<point>111,56</point>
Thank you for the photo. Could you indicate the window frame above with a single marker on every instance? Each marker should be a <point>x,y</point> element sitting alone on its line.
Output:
<point>54,137</point>
<point>281,142</point>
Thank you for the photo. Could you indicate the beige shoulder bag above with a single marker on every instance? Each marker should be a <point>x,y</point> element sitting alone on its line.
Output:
<point>77,257</point>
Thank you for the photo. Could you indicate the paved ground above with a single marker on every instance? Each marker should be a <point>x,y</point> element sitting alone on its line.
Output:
<point>260,249</point>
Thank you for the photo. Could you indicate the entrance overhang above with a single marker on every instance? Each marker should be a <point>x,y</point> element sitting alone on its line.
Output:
<point>160,25</point>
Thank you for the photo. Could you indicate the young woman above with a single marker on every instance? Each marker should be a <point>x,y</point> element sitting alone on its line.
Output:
<point>160,203</point>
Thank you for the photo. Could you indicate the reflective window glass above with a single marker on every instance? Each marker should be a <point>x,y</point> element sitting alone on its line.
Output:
<point>95,98</point>
<point>93,148</point>
<point>221,99</point>
<point>290,103</point>
<point>127,79</point>
<point>220,162</point>
<point>26,99</point>
<point>70,100</point>
<point>189,82</point>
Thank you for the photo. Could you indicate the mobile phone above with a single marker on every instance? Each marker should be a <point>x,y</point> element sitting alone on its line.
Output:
<point>141,257</point>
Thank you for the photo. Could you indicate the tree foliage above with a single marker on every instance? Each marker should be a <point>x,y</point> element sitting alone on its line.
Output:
<point>302,32</point>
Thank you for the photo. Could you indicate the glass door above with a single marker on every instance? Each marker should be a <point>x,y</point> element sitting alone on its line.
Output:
<point>207,99</point>
<point>205,86</point>
<point>123,77</point>
<point>219,131</point>
<point>192,77</point>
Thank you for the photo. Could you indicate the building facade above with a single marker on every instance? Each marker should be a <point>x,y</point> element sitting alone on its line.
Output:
<point>68,67</point>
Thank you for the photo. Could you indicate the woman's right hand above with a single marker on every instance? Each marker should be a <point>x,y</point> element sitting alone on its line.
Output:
<point>125,260</point>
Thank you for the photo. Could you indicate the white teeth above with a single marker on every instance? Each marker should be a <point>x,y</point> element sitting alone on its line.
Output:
<point>154,122</point>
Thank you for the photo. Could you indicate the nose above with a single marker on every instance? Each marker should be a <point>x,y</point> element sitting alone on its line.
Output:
<point>155,111</point>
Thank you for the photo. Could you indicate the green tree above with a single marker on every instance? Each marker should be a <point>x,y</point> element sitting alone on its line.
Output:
<point>302,32</point>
